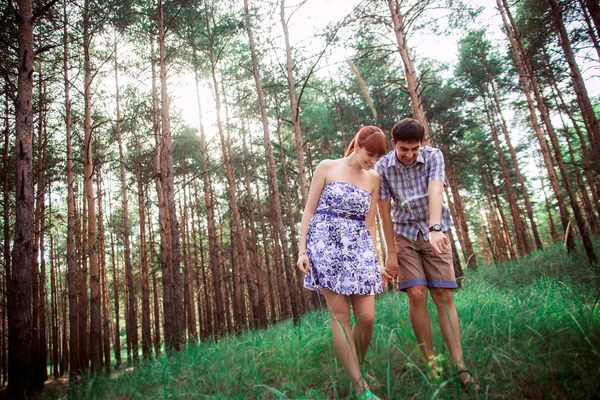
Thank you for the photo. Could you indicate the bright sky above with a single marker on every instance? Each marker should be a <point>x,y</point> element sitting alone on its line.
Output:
<point>313,16</point>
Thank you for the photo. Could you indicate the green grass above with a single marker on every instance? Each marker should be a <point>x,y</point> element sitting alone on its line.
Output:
<point>531,330</point>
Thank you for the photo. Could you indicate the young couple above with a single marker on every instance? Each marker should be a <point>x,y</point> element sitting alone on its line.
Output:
<point>338,242</point>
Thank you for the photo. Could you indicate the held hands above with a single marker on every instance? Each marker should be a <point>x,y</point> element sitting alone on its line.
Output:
<point>438,241</point>
<point>303,263</point>
<point>385,277</point>
<point>391,265</point>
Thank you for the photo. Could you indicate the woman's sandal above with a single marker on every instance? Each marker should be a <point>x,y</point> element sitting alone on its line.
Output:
<point>367,395</point>
<point>468,383</point>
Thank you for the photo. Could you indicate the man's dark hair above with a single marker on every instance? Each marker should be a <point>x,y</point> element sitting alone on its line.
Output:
<point>408,130</point>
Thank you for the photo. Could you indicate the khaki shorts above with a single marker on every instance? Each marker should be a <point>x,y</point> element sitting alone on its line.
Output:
<point>419,265</point>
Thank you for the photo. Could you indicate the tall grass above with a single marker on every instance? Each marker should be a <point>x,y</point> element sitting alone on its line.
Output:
<point>530,330</point>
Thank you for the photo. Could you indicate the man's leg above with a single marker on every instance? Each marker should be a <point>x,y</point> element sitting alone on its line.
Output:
<point>449,324</point>
<point>419,319</point>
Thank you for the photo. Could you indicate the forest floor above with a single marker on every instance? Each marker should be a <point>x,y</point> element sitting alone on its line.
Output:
<point>530,330</point>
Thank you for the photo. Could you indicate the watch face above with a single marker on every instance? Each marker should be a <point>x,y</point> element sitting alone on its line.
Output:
<point>436,228</point>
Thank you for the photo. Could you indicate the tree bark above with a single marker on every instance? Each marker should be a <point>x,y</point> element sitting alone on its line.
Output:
<point>587,112</point>
<point>272,173</point>
<point>294,107</point>
<point>173,301</point>
<point>103,274</point>
<point>146,331</point>
<point>410,74</point>
<point>71,272</point>
<point>518,228</point>
<point>594,9</point>
<point>255,262</point>
<point>131,322</point>
<point>213,248</point>
<point>95,338</point>
<point>590,29</point>
<point>290,216</point>
<point>528,84</point>
<point>515,164</point>
<point>463,229</point>
<point>232,187</point>
<point>496,198</point>
<point>6,250</point>
<point>271,291</point>
<point>117,330</point>
<point>21,381</point>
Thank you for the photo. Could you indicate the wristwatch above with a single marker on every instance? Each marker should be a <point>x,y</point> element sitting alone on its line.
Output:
<point>435,228</point>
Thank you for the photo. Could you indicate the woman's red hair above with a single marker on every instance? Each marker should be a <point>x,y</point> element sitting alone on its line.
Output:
<point>371,138</point>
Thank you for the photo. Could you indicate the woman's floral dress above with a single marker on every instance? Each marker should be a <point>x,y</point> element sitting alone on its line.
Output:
<point>340,249</point>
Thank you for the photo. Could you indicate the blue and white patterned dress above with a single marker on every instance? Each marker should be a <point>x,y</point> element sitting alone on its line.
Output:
<point>341,253</point>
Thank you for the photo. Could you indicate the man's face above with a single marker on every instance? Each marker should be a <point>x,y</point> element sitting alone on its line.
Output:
<point>407,152</point>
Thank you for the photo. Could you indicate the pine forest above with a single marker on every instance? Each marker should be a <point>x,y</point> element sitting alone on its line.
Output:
<point>157,156</point>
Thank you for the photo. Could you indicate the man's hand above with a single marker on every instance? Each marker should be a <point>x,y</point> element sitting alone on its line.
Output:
<point>438,241</point>
<point>385,277</point>
<point>391,265</point>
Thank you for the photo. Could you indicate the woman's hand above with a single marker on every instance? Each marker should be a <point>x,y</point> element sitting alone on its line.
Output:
<point>303,263</point>
<point>385,277</point>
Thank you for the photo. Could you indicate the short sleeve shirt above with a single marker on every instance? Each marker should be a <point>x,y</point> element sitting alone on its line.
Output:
<point>406,187</point>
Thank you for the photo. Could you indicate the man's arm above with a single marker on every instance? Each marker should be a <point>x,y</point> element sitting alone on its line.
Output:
<point>438,240</point>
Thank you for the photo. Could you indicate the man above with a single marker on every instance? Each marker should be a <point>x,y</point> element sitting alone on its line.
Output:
<point>415,222</point>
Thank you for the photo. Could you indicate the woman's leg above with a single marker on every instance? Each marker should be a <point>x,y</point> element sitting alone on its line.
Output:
<point>364,317</point>
<point>343,339</point>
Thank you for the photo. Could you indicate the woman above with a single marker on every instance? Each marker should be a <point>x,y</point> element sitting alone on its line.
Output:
<point>338,254</point>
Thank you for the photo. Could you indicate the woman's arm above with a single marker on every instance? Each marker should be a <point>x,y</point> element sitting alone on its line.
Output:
<point>314,193</point>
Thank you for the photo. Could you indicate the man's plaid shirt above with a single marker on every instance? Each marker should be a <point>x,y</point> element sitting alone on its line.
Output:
<point>407,188</point>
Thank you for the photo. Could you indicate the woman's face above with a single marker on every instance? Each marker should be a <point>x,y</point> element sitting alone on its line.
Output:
<point>366,159</point>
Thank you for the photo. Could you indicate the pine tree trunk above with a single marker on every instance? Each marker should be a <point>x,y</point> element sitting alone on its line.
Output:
<point>410,74</point>
<point>463,230</point>
<point>238,230</point>
<point>260,313</point>
<point>496,198</point>
<point>271,291</point>
<point>36,361</point>
<point>594,9</point>
<point>54,315</point>
<point>155,294</point>
<point>146,333</point>
<point>103,275</point>
<point>518,228</point>
<point>21,381</point>
<point>82,294</point>
<point>213,249</point>
<point>174,305</point>
<point>528,85</point>
<point>590,29</point>
<point>206,315</point>
<point>588,167</point>
<point>272,173</point>
<point>188,285</point>
<point>515,164</point>
<point>290,216</point>
<point>131,318</point>
<point>71,268</point>
<point>117,330</point>
<point>553,230</point>
<point>587,112</point>
<point>91,252</point>
<point>294,107</point>
<point>198,266</point>
<point>6,242</point>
